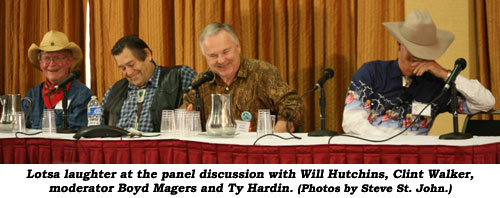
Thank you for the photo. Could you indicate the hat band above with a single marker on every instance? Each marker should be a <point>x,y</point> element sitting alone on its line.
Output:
<point>52,46</point>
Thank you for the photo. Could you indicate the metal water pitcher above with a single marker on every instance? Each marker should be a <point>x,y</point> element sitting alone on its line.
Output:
<point>11,103</point>
<point>221,122</point>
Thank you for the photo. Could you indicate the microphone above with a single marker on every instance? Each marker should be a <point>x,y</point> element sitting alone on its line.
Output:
<point>207,76</point>
<point>460,65</point>
<point>327,74</point>
<point>73,76</point>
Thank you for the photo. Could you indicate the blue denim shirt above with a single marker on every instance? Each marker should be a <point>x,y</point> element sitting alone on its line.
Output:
<point>78,98</point>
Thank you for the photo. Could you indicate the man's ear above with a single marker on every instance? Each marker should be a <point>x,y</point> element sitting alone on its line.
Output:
<point>238,47</point>
<point>149,55</point>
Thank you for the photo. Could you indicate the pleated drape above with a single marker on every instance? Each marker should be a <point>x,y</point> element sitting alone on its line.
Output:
<point>487,68</point>
<point>24,22</point>
<point>110,20</point>
<point>300,37</point>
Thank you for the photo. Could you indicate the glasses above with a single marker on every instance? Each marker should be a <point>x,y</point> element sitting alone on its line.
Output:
<point>47,59</point>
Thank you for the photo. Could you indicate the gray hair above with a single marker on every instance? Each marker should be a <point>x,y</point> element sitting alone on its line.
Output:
<point>214,28</point>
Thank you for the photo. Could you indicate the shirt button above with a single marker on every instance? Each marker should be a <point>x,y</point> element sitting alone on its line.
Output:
<point>227,88</point>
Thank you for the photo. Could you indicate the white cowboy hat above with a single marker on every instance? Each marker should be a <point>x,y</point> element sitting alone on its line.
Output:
<point>54,41</point>
<point>420,36</point>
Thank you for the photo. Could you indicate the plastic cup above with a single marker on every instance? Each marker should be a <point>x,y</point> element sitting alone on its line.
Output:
<point>264,122</point>
<point>49,121</point>
<point>18,122</point>
<point>180,122</point>
<point>192,123</point>
<point>273,122</point>
<point>167,122</point>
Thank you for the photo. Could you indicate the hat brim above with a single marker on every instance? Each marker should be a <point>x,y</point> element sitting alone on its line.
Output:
<point>427,52</point>
<point>34,50</point>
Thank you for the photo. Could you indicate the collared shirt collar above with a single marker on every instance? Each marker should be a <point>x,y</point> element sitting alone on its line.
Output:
<point>152,82</point>
<point>243,70</point>
<point>395,71</point>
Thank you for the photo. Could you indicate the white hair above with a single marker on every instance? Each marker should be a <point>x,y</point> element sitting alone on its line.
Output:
<point>214,28</point>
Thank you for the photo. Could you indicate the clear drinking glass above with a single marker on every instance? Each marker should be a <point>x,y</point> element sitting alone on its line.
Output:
<point>193,123</point>
<point>18,122</point>
<point>167,122</point>
<point>273,123</point>
<point>180,123</point>
<point>49,121</point>
<point>264,123</point>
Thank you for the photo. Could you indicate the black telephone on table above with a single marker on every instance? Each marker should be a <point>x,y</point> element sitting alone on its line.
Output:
<point>100,131</point>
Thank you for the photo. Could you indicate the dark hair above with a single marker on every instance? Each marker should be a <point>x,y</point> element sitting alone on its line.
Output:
<point>134,43</point>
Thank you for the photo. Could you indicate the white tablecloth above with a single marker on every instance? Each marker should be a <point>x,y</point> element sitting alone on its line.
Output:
<point>249,139</point>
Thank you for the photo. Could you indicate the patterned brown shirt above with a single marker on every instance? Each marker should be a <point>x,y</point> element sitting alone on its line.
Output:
<point>257,85</point>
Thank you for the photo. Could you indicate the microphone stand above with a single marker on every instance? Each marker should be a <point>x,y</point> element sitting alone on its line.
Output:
<point>322,131</point>
<point>455,135</point>
<point>65,128</point>
<point>197,107</point>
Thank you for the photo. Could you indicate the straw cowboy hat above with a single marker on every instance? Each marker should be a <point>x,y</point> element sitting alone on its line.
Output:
<point>420,36</point>
<point>54,41</point>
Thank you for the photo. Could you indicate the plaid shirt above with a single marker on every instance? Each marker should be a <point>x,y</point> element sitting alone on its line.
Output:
<point>128,114</point>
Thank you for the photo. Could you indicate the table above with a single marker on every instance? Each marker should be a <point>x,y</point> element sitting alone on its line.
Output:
<point>61,148</point>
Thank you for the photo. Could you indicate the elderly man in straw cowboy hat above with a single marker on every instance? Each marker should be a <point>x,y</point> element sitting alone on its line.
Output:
<point>56,57</point>
<point>382,94</point>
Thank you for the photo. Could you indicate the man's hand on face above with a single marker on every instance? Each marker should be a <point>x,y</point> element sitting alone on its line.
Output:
<point>430,66</point>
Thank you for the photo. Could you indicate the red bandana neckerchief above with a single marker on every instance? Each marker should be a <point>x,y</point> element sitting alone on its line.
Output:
<point>55,97</point>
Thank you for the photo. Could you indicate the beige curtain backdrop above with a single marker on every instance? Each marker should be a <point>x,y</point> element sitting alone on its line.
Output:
<point>488,46</point>
<point>23,22</point>
<point>300,37</point>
